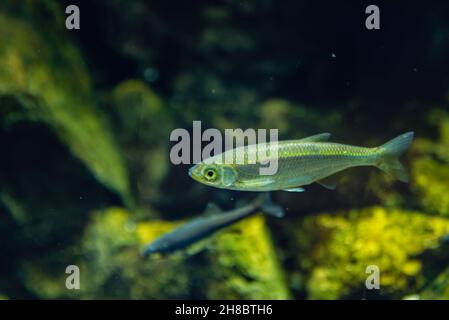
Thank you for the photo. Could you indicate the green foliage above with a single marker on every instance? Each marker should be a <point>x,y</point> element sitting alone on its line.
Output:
<point>49,85</point>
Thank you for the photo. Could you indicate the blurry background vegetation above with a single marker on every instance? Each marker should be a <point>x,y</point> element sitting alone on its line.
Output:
<point>85,118</point>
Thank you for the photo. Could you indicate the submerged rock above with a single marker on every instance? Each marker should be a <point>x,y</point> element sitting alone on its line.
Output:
<point>244,264</point>
<point>240,262</point>
<point>111,267</point>
<point>334,251</point>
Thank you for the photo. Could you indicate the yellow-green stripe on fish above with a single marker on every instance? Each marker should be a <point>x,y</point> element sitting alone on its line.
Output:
<point>299,162</point>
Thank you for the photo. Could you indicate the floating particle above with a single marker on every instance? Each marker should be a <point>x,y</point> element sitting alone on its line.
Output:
<point>150,74</point>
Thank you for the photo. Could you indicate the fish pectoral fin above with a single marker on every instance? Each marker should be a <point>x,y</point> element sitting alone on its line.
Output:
<point>211,209</point>
<point>317,137</point>
<point>197,248</point>
<point>294,190</point>
<point>263,182</point>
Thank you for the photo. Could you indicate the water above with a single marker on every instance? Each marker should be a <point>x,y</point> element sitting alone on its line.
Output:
<point>86,179</point>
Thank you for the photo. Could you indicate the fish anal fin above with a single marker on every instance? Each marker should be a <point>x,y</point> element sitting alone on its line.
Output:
<point>317,137</point>
<point>329,182</point>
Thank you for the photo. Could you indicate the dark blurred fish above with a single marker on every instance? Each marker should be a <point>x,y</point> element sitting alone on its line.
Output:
<point>205,226</point>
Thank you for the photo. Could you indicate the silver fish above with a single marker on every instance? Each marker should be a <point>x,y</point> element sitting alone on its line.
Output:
<point>300,162</point>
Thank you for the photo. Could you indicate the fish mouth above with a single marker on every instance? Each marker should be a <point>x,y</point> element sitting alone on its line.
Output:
<point>194,174</point>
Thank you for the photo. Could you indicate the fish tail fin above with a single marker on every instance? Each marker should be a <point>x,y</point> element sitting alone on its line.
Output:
<point>268,207</point>
<point>390,153</point>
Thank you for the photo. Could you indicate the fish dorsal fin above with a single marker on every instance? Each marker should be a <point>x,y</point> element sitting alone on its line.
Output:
<point>317,137</point>
<point>329,182</point>
<point>211,209</point>
<point>294,190</point>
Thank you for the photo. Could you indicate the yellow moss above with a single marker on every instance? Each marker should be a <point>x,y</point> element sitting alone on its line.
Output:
<point>431,181</point>
<point>245,265</point>
<point>346,244</point>
<point>148,231</point>
<point>412,267</point>
<point>114,223</point>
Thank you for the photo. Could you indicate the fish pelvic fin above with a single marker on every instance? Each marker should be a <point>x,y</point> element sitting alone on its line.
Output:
<point>269,208</point>
<point>212,209</point>
<point>390,153</point>
<point>298,189</point>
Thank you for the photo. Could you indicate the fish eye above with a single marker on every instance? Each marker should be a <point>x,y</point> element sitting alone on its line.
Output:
<point>210,174</point>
